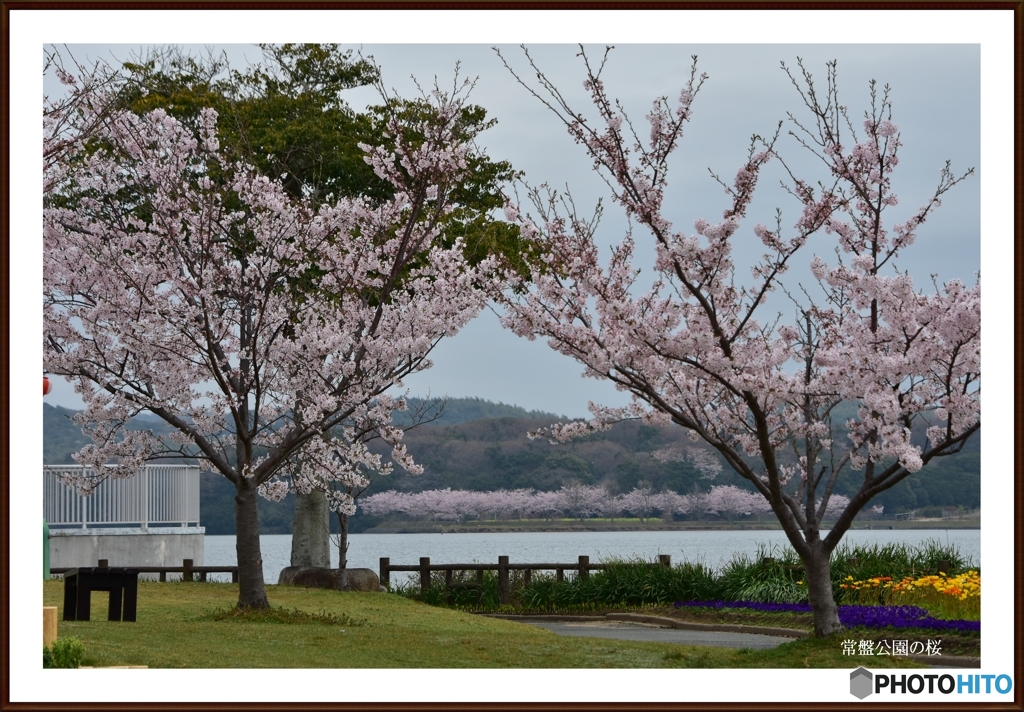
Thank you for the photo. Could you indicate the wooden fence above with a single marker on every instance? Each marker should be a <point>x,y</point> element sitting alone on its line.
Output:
<point>582,567</point>
<point>187,570</point>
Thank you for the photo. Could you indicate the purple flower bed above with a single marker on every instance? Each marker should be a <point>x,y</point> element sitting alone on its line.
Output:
<point>853,616</point>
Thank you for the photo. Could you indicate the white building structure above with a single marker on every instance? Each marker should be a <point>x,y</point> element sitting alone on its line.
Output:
<point>150,519</point>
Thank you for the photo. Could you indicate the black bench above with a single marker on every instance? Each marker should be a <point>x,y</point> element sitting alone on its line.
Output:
<point>122,583</point>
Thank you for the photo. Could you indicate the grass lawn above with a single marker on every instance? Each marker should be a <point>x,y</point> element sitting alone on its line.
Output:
<point>188,625</point>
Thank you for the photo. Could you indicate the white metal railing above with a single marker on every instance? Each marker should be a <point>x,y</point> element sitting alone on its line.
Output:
<point>159,495</point>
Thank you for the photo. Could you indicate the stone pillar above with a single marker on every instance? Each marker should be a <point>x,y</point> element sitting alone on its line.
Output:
<point>311,534</point>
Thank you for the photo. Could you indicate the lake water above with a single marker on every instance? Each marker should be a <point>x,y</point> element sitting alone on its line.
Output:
<point>712,547</point>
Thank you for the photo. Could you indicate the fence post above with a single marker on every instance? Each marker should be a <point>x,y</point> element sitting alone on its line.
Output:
<point>503,593</point>
<point>103,563</point>
<point>186,566</point>
<point>83,501</point>
<point>559,575</point>
<point>584,566</point>
<point>665,560</point>
<point>448,586</point>
<point>424,574</point>
<point>527,576</point>
<point>385,572</point>
<point>145,496</point>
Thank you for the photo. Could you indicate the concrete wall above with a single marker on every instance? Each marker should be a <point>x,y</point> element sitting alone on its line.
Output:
<point>127,547</point>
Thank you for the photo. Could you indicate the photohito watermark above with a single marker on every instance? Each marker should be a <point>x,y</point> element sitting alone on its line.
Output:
<point>864,683</point>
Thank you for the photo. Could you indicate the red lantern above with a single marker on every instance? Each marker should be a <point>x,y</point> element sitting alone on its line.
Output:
<point>46,385</point>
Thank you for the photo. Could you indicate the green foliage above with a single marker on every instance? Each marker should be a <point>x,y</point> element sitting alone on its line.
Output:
<point>287,117</point>
<point>64,653</point>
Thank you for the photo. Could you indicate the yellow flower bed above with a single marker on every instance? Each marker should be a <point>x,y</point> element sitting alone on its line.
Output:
<point>952,597</point>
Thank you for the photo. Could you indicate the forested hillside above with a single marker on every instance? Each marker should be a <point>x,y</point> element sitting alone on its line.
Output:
<point>479,445</point>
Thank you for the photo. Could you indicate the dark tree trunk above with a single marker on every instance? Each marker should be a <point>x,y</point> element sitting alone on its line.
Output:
<point>819,589</point>
<point>252,592</point>
<point>311,536</point>
<point>343,552</point>
<point>815,555</point>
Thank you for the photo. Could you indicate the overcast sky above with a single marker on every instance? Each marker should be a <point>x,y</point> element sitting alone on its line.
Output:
<point>934,90</point>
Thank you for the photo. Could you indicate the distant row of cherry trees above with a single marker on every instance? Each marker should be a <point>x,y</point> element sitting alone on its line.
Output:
<point>574,500</point>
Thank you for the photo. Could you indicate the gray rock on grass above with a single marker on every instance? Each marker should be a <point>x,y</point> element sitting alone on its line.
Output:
<point>318,577</point>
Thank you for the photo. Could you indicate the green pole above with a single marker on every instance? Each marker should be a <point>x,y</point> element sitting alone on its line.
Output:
<point>46,551</point>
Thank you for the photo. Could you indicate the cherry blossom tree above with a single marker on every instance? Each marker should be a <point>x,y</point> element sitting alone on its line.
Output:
<point>385,504</point>
<point>730,501</point>
<point>641,502</point>
<point>699,348</point>
<point>546,504</point>
<point>581,501</point>
<point>265,332</point>
<point>837,503</point>
<point>674,503</point>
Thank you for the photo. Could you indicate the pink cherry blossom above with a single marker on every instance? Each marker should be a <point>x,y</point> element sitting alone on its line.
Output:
<point>267,333</point>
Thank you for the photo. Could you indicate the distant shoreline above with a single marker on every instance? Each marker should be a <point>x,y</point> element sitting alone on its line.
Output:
<point>518,527</point>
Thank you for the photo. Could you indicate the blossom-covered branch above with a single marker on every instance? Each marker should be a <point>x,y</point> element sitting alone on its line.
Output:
<point>697,349</point>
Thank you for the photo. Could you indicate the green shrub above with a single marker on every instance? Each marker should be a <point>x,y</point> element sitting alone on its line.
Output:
<point>622,583</point>
<point>64,653</point>
<point>773,575</point>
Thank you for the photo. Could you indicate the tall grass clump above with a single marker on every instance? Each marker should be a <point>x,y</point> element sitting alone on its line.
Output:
<point>895,560</point>
<point>622,583</point>
<point>464,592</point>
<point>771,576</point>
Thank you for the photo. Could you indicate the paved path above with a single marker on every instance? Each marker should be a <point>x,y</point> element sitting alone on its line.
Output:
<point>646,632</point>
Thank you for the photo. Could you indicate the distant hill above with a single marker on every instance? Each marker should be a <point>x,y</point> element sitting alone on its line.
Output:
<point>465,410</point>
<point>481,445</point>
<point>62,438</point>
